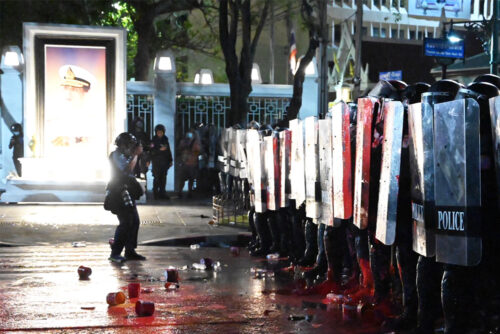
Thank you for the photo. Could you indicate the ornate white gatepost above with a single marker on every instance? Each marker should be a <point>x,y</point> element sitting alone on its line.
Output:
<point>164,109</point>
<point>11,102</point>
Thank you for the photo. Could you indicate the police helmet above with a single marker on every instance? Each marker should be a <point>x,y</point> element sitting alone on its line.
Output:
<point>412,93</point>
<point>491,78</point>
<point>445,86</point>
<point>385,89</point>
<point>253,125</point>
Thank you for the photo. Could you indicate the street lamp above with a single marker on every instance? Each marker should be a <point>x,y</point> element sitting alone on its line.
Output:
<point>204,77</point>
<point>164,62</point>
<point>12,58</point>
<point>256,77</point>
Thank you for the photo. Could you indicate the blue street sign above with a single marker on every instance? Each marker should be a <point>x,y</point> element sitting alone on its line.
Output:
<point>391,75</point>
<point>442,47</point>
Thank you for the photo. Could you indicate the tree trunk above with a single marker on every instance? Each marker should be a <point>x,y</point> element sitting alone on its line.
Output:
<point>145,33</point>
<point>298,80</point>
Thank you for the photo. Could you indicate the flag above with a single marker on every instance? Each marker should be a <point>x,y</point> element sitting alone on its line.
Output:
<point>293,53</point>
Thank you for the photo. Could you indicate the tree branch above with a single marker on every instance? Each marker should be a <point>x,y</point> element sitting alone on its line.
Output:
<point>260,27</point>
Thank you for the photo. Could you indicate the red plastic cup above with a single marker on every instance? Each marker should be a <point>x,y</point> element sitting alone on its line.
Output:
<point>235,251</point>
<point>84,272</point>
<point>144,309</point>
<point>172,275</point>
<point>115,298</point>
<point>133,290</point>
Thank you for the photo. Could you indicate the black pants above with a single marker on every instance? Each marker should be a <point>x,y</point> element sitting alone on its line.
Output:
<point>17,164</point>
<point>127,231</point>
<point>187,173</point>
<point>159,180</point>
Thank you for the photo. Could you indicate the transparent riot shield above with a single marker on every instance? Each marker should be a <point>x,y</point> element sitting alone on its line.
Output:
<point>421,149</point>
<point>222,159</point>
<point>325,171</point>
<point>270,158</point>
<point>341,161</point>
<point>457,182</point>
<point>389,176</point>
<point>285,158</point>
<point>255,150</point>
<point>233,152</point>
<point>495,125</point>
<point>311,164</point>
<point>241,135</point>
<point>297,173</point>
<point>366,109</point>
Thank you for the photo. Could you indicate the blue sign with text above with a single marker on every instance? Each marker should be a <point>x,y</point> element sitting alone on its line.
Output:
<point>391,75</point>
<point>442,47</point>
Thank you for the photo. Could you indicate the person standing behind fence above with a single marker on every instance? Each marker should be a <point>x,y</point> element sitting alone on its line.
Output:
<point>189,149</point>
<point>161,156</point>
<point>143,160</point>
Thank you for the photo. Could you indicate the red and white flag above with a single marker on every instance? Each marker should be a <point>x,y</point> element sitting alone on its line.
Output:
<point>293,53</point>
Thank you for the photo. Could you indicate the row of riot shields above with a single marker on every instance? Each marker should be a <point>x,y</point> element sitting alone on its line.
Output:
<point>328,166</point>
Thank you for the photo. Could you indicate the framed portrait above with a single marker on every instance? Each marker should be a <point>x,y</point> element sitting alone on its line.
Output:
<point>74,94</point>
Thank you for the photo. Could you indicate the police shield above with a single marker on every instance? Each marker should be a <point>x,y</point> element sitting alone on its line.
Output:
<point>366,109</point>
<point>233,152</point>
<point>297,175</point>
<point>341,161</point>
<point>389,175</point>
<point>325,171</point>
<point>495,125</point>
<point>420,132</point>
<point>457,181</point>
<point>255,150</point>
<point>241,153</point>
<point>271,163</point>
<point>222,162</point>
<point>285,137</point>
<point>311,164</point>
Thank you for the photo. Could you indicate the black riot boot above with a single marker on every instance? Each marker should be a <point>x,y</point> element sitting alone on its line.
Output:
<point>429,274</point>
<point>407,263</point>
<point>320,266</point>
<point>298,241</point>
<point>457,299</point>
<point>254,242</point>
<point>272,223</point>
<point>285,228</point>
<point>335,246</point>
<point>260,222</point>
<point>310,233</point>
<point>380,255</point>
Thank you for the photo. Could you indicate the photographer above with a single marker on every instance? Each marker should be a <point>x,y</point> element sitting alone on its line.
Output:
<point>121,193</point>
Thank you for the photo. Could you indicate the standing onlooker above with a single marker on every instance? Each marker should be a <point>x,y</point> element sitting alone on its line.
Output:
<point>189,149</point>
<point>162,161</point>
<point>143,161</point>
<point>16,142</point>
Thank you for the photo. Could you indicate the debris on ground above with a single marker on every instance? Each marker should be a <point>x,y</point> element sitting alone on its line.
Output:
<point>84,272</point>
<point>144,308</point>
<point>115,298</point>
<point>79,244</point>
<point>195,246</point>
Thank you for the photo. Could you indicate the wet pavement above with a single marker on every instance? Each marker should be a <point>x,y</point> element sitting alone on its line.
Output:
<point>49,224</point>
<point>40,292</point>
